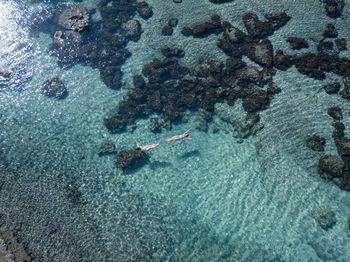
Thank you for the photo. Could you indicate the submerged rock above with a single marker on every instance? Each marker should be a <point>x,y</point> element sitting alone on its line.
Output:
<point>155,124</point>
<point>339,128</point>
<point>5,74</point>
<point>255,27</point>
<point>106,148</point>
<point>173,22</point>
<point>260,52</point>
<point>131,29</point>
<point>334,8</point>
<point>282,61</point>
<point>144,10</point>
<point>330,31</point>
<point>330,166</point>
<point>63,38</point>
<point>258,100</point>
<point>249,74</point>
<point>167,30</point>
<point>130,158</point>
<point>297,43</point>
<point>316,143</point>
<point>332,88</point>
<point>54,87</point>
<point>335,112</point>
<point>74,18</point>
<point>172,52</point>
<point>341,44</point>
<point>234,35</point>
<point>324,217</point>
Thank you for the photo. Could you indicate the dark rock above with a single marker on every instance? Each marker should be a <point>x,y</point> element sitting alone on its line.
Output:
<point>234,35</point>
<point>186,31</point>
<point>172,52</point>
<point>173,22</point>
<point>120,57</point>
<point>203,30</point>
<point>139,82</point>
<point>308,64</point>
<point>325,46</point>
<point>155,124</point>
<point>209,67</point>
<point>343,148</point>
<point>258,100</point>
<point>297,42</point>
<point>330,166</point>
<point>330,31</point>
<point>74,18</point>
<point>341,44</point>
<point>324,217</point>
<point>111,76</point>
<point>64,38</point>
<point>332,88</point>
<point>335,112</point>
<point>5,74</point>
<point>260,29</point>
<point>345,93</point>
<point>167,30</point>
<point>277,20</point>
<point>112,40</point>
<point>316,143</point>
<point>106,148</point>
<point>54,87</point>
<point>229,48</point>
<point>255,27</point>
<point>249,74</point>
<point>216,21</point>
<point>177,1</point>
<point>233,63</point>
<point>130,158</point>
<point>343,182</point>
<point>260,52</point>
<point>282,61</point>
<point>273,89</point>
<point>114,125</point>
<point>144,10</point>
<point>334,8</point>
<point>330,62</point>
<point>131,29</point>
<point>338,129</point>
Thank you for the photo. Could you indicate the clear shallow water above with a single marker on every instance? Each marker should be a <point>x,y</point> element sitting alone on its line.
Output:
<point>209,199</point>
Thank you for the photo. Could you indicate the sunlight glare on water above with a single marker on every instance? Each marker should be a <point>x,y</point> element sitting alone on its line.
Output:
<point>15,47</point>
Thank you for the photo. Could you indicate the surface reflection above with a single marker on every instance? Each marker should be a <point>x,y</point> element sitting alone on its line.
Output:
<point>15,48</point>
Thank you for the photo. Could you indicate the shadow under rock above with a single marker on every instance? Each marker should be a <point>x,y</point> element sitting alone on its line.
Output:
<point>132,169</point>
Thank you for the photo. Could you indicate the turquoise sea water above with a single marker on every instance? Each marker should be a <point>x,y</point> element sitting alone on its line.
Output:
<point>213,198</point>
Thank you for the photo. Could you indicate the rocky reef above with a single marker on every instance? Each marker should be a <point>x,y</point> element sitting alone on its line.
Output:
<point>127,159</point>
<point>54,87</point>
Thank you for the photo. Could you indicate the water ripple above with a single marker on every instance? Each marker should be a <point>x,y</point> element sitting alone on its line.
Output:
<point>15,51</point>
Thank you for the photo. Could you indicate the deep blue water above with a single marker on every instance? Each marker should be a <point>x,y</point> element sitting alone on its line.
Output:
<point>240,190</point>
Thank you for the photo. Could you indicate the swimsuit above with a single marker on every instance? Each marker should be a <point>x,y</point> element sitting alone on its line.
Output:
<point>180,137</point>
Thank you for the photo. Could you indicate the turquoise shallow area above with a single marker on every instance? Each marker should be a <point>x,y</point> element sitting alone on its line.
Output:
<point>213,198</point>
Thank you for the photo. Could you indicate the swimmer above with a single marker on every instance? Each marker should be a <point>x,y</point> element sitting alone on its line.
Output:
<point>183,136</point>
<point>145,148</point>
